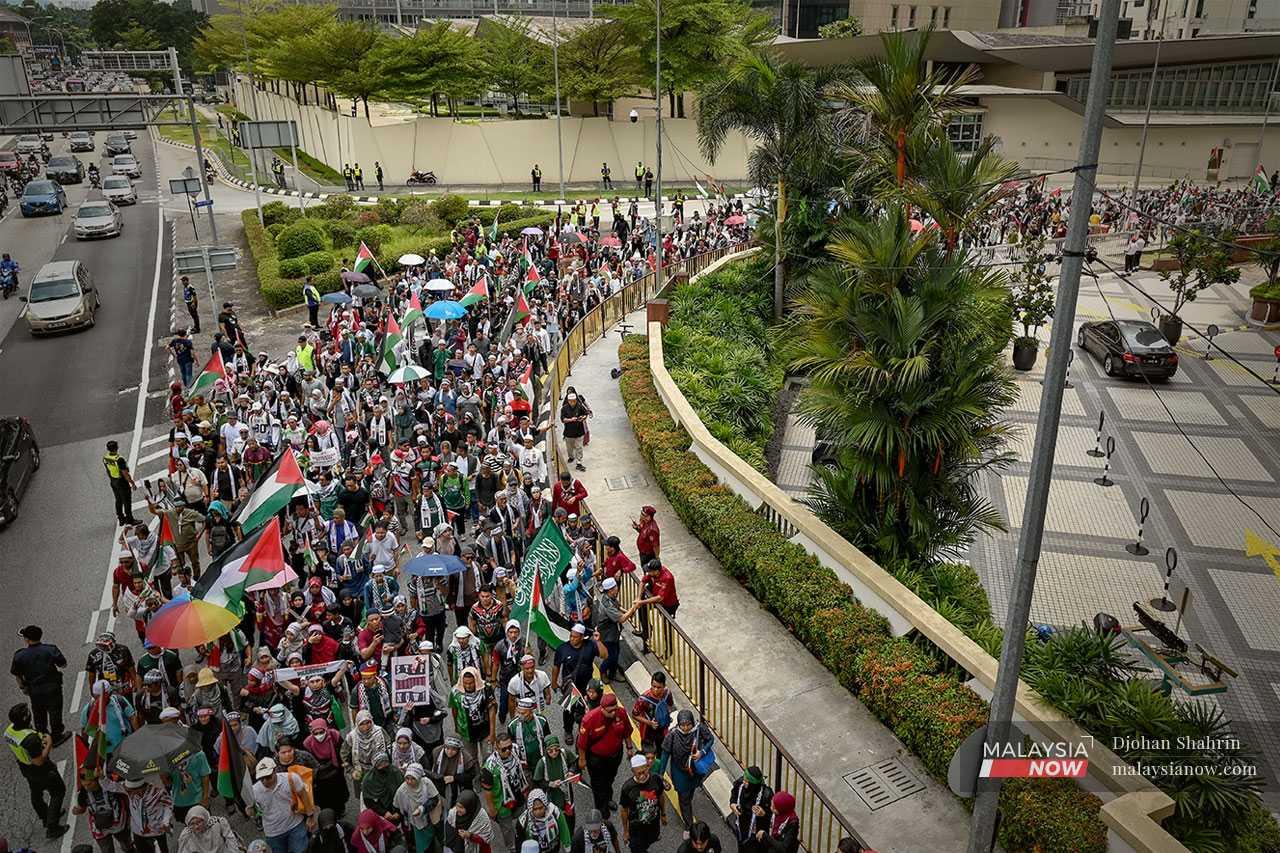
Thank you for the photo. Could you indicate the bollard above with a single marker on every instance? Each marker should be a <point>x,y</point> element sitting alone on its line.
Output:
<point>1275,374</point>
<point>1137,548</point>
<point>1106,466</point>
<point>1209,332</point>
<point>1163,603</point>
<point>1097,442</point>
<point>1071,356</point>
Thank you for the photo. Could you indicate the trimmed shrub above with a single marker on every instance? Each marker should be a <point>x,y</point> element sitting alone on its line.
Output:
<point>278,211</point>
<point>293,268</point>
<point>451,209</point>
<point>418,215</point>
<point>274,229</point>
<point>343,235</point>
<point>389,210</point>
<point>318,262</point>
<point>301,238</point>
<point>932,712</point>
<point>367,217</point>
<point>375,237</point>
<point>503,213</point>
<point>328,282</point>
<point>334,207</point>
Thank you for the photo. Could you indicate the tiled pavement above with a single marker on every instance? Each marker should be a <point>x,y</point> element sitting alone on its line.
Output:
<point>1231,417</point>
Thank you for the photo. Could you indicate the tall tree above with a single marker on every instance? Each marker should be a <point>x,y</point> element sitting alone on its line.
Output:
<point>515,61</point>
<point>956,190</point>
<point>352,68</point>
<point>898,98</point>
<point>597,63</point>
<point>782,108</point>
<point>437,61</point>
<point>700,38</point>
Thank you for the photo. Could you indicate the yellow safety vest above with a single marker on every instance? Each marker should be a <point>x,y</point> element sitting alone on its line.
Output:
<point>595,211</point>
<point>639,171</point>
<point>112,461</point>
<point>359,172</point>
<point>15,737</point>
<point>312,292</point>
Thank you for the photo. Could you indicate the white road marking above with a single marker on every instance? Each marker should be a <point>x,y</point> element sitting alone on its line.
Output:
<point>155,439</point>
<point>155,454</point>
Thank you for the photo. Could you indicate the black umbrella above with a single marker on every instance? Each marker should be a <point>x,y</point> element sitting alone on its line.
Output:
<point>355,278</point>
<point>153,749</point>
<point>366,291</point>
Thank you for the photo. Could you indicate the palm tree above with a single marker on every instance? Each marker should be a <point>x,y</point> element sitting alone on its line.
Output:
<point>907,382</point>
<point>783,108</point>
<point>957,191</point>
<point>897,98</point>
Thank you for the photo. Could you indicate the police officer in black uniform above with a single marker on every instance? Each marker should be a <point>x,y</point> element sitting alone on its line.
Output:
<point>121,480</point>
<point>31,748</point>
<point>38,670</point>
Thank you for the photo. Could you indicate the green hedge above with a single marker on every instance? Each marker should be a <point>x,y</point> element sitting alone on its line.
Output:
<point>318,262</point>
<point>931,711</point>
<point>293,268</point>
<point>301,238</point>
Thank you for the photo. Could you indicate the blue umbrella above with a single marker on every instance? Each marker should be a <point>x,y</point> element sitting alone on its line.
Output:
<point>434,566</point>
<point>445,309</point>
<point>338,298</point>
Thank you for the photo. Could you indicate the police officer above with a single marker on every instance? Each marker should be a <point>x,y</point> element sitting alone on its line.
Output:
<point>31,748</point>
<point>38,670</point>
<point>191,299</point>
<point>606,176</point>
<point>346,174</point>
<point>312,295</point>
<point>358,174</point>
<point>121,480</point>
<point>639,175</point>
<point>536,174</point>
<point>377,173</point>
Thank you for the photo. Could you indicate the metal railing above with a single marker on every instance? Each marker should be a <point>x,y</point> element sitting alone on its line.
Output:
<point>726,713</point>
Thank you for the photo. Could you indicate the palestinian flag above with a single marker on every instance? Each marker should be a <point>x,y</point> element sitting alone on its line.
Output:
<point>541,624</point>
<point>91,744</point>
<point>390,340</point>
<point>414,314</point>
<point>520,311</point>
<point>532,278</point>
<point>257,559</point>
<point>273,491</point>
<point>213,371</point>
<point>233,776</point>
<point>526,383</point>
<point>364,261</point>
<point>1260,182</point>
<point>478,292</point>
<point>493,231</point>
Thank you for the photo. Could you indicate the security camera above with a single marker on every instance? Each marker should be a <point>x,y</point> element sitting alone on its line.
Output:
<point>634,116</point>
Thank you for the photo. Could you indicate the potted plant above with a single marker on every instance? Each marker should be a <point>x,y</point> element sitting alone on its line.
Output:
<point>1266,295</point>
<point>1031,300</point>
<point>1203,261</point>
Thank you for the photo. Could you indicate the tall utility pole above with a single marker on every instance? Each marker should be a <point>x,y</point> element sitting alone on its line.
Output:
<point>1151,91</point>
<point>195,138</point>
<point>555,62</point>
<point>657,100</point>
<point>1004,697</point>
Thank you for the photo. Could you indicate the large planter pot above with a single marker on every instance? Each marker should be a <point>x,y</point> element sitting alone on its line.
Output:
<point>1265,311</point>
<point>1024,353</point>
<point>1171,328</point>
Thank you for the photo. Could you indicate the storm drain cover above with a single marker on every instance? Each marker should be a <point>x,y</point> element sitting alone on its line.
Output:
<point>626,481</point>
<point>880,784</point>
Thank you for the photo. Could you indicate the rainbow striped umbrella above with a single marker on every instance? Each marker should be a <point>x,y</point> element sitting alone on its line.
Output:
<point>185,623</point>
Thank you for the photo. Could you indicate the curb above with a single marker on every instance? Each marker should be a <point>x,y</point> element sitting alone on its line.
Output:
<point>373,200</point>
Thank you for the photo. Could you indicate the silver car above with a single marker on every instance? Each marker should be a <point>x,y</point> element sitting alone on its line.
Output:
<point>118,189</point>
<point>125,164</point>
<point>29,143</point>
<point>62,296</point>
<point>97,219</point>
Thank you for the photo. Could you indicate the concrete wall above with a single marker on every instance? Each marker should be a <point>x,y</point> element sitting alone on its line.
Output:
<point>877,15</point>
<point>1043,136</point>
<point>498,152</point>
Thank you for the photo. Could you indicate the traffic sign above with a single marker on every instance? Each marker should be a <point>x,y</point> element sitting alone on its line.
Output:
<point>204,203</point>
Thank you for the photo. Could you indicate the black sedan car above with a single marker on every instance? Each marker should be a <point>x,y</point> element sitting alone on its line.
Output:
<point>64,169</point>
<point>1129,348</point>
<point>19,459</point>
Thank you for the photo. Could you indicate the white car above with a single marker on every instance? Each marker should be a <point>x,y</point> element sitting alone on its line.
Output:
<point>125,164</point>
<point>118,189</point>
<point>97,219</point>
<point>62,296</point>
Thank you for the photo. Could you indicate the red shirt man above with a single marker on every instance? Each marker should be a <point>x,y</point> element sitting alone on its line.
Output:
<point>605,732</point>
<point>568,494</point>
<point>647,534</point>
<point>659,587</point>
<point>615,562</point>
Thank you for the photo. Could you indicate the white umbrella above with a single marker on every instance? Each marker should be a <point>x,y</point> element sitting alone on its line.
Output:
<point>440,285</point>
<point>411,260</point>
<point>408,373</point>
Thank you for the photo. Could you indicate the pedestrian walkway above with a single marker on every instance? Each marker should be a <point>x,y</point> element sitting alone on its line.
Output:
<point>829,732</point>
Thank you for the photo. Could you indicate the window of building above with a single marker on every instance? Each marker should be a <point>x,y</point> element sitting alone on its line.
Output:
<point>946,17</point>
<point>1222,87</point>
<point>933,16</point>
<point>965,132</point>
<point>911,17</point>
<point>893,17</point>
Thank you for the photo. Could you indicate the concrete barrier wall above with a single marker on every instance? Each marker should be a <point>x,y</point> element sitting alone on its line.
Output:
<point>496,152</point>
<point>1132,805</point>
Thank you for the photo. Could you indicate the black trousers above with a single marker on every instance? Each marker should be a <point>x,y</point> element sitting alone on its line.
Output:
<point>124,499</point>
<point>195,317</point>
<point>43,780</point>
<point>46,710</point>
<point>313,315</point>
<point>602,771</point>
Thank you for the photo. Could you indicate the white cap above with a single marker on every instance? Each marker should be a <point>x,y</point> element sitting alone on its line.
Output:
<point>462,631</point>
<point>608,583</point>
<point>637,760</point>
<point>170,713</point>
<point>265,768</point>
<point>579,629</point>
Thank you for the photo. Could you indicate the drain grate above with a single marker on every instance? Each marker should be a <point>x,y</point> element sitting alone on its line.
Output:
<point>626,481</point>
<point>880,784</point>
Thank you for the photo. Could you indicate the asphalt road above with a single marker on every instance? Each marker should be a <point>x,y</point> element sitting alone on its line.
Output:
<point>78,390</point>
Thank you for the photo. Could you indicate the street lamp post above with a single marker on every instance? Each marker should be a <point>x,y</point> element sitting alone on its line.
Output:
<point>1151,90</point>
<point>657,105</point>
<point>555,62</point>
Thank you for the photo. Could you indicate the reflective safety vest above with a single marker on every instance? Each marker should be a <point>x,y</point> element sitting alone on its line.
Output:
<point>14,738</point>
<point>312,294</point>
<point>359,173</point>
<point>639,171</point>
<point>112,462</point>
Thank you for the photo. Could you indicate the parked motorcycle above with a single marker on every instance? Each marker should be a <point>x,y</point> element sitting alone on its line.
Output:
<point>8,283</point>
<point>417,177</point>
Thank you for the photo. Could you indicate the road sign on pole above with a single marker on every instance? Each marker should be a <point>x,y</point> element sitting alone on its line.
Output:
<point>206,259</point>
